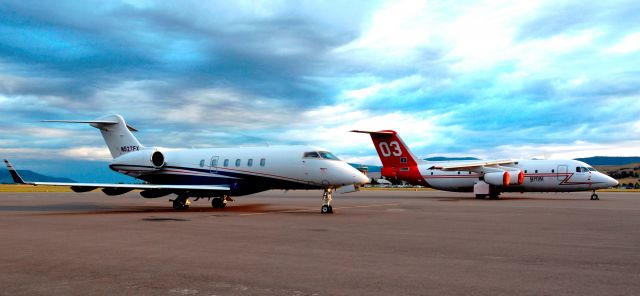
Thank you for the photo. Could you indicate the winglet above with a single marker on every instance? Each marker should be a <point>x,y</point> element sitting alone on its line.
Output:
<point>14,174</point>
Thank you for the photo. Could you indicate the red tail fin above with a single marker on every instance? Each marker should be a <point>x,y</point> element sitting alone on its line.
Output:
<point>397,160</point>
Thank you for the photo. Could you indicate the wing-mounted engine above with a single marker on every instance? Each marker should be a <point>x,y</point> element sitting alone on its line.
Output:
<point>505,178</point>
<point>139,162</point>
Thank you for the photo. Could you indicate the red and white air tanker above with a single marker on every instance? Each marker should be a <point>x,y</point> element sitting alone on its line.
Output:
<point>214,173</point>
<point>487,178</point>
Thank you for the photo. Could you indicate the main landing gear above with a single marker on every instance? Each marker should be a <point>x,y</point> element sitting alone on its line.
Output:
<point>594,196</point>
<point>220,202</point>
<point>327,196</point>
<point>181,203</point>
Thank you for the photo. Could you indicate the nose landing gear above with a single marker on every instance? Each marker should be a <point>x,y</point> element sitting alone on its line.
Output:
<point>327,196</point>
<point>594,196</point>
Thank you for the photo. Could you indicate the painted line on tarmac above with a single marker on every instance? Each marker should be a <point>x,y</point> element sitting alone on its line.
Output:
<point>315,210</point>
<point>369,206</point>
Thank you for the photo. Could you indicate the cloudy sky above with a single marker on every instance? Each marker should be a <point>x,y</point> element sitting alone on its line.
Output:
<point>490,79</point>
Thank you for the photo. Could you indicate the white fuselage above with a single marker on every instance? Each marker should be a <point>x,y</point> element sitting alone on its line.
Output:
<point>246,170</point>
<point>539,176</point>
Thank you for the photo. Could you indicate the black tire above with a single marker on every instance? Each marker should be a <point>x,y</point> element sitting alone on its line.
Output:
<point>481,196</point>
<point>218,203</point>
<point>326,209</point>
<point>178,205</point>
<point>594,197</point>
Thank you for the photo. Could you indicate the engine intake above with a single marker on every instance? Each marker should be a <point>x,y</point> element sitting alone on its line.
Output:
<point>157,159</point>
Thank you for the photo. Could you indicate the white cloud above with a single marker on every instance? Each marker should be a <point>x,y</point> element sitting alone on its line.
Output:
<point>629,43</point>
<point>88,153</point>
<point>377,88</point>
<point>561,151</point>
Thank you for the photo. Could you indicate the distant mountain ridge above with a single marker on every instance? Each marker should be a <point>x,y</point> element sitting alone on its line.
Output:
<point>443,158</point>
<point>610,160</point>
<point>5,177</point>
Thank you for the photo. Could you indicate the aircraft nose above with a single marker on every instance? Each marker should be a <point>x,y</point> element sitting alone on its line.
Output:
<point>357,177</point>
<point>361,178</point>
<point>611,182</point>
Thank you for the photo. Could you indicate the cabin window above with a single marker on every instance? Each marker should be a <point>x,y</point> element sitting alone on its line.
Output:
<point>403,159</point>
<point>553,171</point>
<point>311,154</point>
<point>263,161</point>
<point>458,172</point>
<point>202,163</point>
<point>226,162</point>
<point>469,172</point>
<point>238,162</point>
<point>536,171</point>
<point>404,169</point>
<point>578,170</point>
<point>431,173</point>
<point>328,155</point>
<point>525,171</point>
<point>250,162</point>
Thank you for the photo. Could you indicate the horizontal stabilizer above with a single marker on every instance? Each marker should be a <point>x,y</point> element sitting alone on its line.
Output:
<point>97,122</point>
<point>385,132</point>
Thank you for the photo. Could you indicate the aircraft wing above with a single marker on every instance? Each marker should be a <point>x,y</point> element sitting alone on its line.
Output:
<point>467,166</point>
<point>80,187</point>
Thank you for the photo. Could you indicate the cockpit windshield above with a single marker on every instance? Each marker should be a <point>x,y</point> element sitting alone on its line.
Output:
<point>311,154</point>
<point>328,155</point>
<point>320,154</point>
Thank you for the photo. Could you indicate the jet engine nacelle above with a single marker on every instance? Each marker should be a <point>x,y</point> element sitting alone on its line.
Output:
<point>516,177</point>
<point>505,178</point>
<point>498,178</point>
<point>143,161</point>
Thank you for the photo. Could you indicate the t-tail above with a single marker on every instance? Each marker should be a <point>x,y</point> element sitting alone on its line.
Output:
<point>115,131</point>
<point>397,160</point>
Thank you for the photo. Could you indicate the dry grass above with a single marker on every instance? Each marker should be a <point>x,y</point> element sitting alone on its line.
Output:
<point>31,188</point>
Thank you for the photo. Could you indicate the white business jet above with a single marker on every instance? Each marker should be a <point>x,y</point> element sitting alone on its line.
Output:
<point>486,178</point>
<point>214,173</point>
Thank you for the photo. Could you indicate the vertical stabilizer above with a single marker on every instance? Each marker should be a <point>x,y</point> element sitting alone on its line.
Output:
<point>397,160</point>
<point>115,131</point>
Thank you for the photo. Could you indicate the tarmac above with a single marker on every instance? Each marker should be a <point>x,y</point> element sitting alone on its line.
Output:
<point>278,243</point>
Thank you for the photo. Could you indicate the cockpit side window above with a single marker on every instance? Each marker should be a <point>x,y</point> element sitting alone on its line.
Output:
<point>311,154</point>
<point>328,155</point>
<point>584,169</point>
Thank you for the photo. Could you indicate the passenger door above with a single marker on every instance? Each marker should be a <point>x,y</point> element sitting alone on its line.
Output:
<point>562,172</point>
